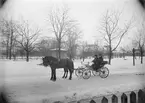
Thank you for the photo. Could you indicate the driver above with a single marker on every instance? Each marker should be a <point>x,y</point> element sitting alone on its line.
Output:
<point>100,59</point>
<point>95,62</point>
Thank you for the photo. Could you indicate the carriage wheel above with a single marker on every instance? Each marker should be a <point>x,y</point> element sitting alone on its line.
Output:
<point>79,72</point>
<point>104,72</point>
<point>86,74</point>
<point>95,73</point>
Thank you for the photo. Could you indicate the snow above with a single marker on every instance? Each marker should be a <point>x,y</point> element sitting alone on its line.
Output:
<point>27,81</point>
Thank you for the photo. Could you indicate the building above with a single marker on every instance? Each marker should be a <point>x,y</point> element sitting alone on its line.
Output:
<point>54,53</point>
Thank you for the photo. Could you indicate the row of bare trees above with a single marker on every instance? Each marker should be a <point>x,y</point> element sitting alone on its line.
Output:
<point>139,40</point>
<point>17,36</point>
<point>8,36</point>
<point>20,35</point>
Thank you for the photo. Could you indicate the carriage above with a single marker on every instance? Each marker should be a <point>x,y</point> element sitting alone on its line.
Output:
<point>87,70</point>
<point>68,65</point>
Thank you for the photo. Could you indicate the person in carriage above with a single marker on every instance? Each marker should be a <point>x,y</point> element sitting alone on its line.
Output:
<point>97,61</point>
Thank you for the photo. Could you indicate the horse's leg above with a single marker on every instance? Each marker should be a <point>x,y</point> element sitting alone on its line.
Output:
<point>70,71</point>
<point>66,73</point>
<point>51,74</point>
<point>54,74</point>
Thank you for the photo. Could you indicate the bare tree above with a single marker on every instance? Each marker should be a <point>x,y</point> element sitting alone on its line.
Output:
<point>45,44</point>
<point>73,36</point>
<point>13,36</point>
<point>9,36</point>
<point>98,47</point>
<point>139,40</point>
<point>5,44</point>
<point>124,50</point>
<point>111,31</point>
<point>60,22</point>
<point>27,37</point>
<point>84,46</point>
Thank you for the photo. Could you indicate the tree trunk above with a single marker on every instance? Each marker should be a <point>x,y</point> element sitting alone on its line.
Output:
<point>27,56</point>
<point>110,55</point>
<point>141,55</point>
<point>7,47</point>
<point>142,59</point>
<point>59,49</point>
<point>11,42</point>
<point>7,50</point>
<point>133,54</point>
<point>10,53</point>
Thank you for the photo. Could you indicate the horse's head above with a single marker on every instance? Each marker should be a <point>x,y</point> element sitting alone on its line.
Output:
<point>45,61</point>
<point>48,60</point>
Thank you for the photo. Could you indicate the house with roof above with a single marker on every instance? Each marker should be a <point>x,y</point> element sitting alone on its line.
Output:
<point>54,53</point>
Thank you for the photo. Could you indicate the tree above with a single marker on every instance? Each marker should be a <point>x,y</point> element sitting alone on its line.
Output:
<point>84,46</point>
<point>111,31</point>
<point>9,36</point>
<point>45,44</point>
<point>27,37</point>
<point>60,22</point>
<point>73,35</point>
<point>98,48</point>
<point>139,40</point>
<point>124,50</point>
<point>5,44</point>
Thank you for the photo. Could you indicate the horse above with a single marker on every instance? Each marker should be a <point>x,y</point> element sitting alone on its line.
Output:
<point>54,64</point>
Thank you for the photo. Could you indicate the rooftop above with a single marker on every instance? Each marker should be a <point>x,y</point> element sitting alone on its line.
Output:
<point>56,49</point>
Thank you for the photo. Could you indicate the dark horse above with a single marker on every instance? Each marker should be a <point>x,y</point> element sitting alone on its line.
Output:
<point>54,64</point>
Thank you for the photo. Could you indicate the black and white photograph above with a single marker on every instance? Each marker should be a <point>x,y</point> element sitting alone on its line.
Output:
<point>72,51</point>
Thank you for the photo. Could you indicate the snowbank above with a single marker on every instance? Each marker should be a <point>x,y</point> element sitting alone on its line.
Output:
<point>29,82</point>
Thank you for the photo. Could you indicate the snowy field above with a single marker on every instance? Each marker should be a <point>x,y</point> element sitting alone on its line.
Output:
<point>27,82</point>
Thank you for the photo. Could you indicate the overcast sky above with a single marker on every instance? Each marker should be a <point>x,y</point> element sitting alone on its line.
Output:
<point>87,12</point>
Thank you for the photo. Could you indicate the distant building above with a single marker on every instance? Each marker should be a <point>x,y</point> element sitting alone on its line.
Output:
<point>54,53</point>
<point>89,50</point>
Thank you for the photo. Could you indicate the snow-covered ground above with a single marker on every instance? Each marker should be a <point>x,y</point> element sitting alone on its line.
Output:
<point>28,82</point>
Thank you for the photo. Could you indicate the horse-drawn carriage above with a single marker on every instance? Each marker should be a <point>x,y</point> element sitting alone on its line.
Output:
<point>68,66</point>
<point>87,70</point>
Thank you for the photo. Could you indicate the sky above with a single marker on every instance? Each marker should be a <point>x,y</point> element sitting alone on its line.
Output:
<point>88,13</point>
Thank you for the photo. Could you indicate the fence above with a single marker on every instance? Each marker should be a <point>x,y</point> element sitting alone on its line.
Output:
<point>136,96</point>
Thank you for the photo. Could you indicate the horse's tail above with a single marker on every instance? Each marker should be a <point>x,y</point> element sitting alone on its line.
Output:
<point>72,67</point>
